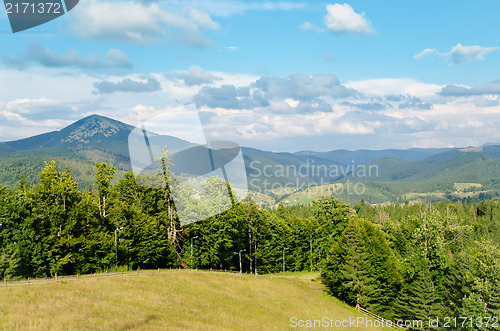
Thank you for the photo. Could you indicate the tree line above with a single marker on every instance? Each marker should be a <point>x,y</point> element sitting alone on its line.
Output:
<point>399,261</point>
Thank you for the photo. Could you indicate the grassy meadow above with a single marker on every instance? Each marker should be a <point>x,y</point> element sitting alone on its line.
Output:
<point>175,300</point>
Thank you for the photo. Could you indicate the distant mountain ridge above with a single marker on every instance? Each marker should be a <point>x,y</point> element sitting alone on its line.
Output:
<point>364,156</point>
<point>101,139</point>
<point>103,132</point>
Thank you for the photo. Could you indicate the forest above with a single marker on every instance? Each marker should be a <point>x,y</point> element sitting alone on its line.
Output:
<point>401,261</point>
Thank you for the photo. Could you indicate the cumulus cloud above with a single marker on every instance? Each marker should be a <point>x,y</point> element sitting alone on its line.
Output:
<point>308,26</point>
<point>424,53</point>
<point>26,116</point>
<point>16,109</point>
<point>320,109</point>
<point>298,112</point>
<point>141,23</point>
<point>150,84</point>
<point>195,76</point>
<point>458,53</point>
<point>37,54</point>
<point>371,106</point>
<point>295,93</point>
<point>229,97</point>
<point>457,90</point>
<point>461,54</point>
<point>407,102</point>
<point>302,87</point>
<point>342,19</point>
<point>415,105</point>
<point>278,113</point>
<point>394,86</point>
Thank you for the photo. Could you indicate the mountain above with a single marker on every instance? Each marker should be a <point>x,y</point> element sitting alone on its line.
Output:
<point>266,170</point>
<point>457,174</point>
<point>100,139</point>
<point>76,147</point>
<point>364,156</point>
<point>93,131</point>
<point>461,167</point>
<point>458,165</point>
<point>393,173</point>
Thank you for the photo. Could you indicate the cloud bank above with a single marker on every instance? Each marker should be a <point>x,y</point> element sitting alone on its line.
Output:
<point>37,54</point>
<point>458,54</point>
<point>140,23</point>
<point>150,84</point>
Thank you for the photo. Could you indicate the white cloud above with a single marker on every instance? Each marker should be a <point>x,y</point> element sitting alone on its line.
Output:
<point>135,22</point>
<point>51,98</point>
<point>493,88</point>
<point>424,53</point>
<point>195,76</point>
<point>308,26</point>
<point>232,7</point>
<point>458,54</point>
<point>37,54</point>
<point>398,86</point>
<point>40,82</point>
<point>228,49</point>
<point>461,54</point>
<point>146,85</point>
<point>310,91</point>
<point>342,19</point>
<point>203,20</point>
<point>30,116</point>
<point>382,113</point>
<point>300,112</point>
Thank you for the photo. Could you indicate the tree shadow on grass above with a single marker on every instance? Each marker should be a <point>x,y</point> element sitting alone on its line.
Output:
<point>139,324</point>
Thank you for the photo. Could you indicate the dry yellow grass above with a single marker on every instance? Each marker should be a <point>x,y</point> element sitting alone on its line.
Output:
<point>314,192</point>
<point>464,186</point>
<point>175,300</point>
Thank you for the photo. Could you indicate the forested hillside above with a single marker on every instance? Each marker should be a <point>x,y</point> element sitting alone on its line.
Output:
<point>401,261</point>
<point>381,176</point>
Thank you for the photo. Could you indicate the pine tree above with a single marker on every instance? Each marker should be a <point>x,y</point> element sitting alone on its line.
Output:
<point>354,272</point>
<point>424,302</point>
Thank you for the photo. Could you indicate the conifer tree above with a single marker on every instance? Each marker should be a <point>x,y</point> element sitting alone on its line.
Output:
<point>103,177</point>
<point>420,300</point>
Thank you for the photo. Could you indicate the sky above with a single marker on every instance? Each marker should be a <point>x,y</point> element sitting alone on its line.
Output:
<point>273,75</point>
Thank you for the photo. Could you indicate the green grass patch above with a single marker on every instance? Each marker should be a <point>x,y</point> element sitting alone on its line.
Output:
<point>179,300</point>
<point>465,186</point>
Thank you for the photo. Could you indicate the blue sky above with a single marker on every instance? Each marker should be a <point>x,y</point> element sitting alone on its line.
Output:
<point>273,75</point>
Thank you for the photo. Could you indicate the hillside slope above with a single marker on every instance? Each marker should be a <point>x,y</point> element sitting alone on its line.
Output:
<point>364,156</point>
<point>100,139</point>
<point>179,300</point>
<point>274,174</point>
<point>451,167</point>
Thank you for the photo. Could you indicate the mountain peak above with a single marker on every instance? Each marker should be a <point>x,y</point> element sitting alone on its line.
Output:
<point>94,131</point>
<point>91,128</point>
